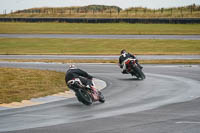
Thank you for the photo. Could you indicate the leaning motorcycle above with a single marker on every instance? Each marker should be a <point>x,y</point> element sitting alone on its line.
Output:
<point>133,68</point>
<point>86,95</point>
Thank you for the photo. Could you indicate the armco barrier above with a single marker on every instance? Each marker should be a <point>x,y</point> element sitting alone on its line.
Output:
<point>107,20</point>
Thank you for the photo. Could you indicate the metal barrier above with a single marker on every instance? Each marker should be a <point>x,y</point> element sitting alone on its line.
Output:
<point>108,20</point>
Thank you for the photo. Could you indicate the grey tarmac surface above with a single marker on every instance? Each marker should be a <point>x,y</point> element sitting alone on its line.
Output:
<point>100,57</point>
<point>173,37</point>
<point>168,100</point>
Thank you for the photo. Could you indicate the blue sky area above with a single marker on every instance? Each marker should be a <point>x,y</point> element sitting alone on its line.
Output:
<point>14,5</point>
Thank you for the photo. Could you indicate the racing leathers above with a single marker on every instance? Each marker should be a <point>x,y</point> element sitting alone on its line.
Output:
<point>122,59</point>
<point>75,73</point>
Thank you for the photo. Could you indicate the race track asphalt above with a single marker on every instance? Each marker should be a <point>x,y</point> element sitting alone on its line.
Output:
<point>173,37</point>
<point>167,101</point>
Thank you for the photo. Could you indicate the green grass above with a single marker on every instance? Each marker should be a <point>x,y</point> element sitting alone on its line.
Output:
<point>18,84</point>
<point>81,28</point>
<point>97,46</point>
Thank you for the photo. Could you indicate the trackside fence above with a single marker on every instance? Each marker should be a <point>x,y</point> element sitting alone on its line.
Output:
<point>108,20</point>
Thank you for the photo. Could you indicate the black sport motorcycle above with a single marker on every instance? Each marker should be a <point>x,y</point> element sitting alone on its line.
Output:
<point>133,68</point>
<point>85,94</point>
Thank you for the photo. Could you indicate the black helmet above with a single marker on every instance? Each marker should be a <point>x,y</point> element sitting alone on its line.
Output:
<point>123,51</point>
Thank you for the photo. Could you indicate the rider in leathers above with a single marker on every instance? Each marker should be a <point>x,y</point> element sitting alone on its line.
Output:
<point>125,55</point>
<point>74,72</point>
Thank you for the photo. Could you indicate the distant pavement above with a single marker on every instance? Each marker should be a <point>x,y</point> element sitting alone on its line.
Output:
<point>171,37</point>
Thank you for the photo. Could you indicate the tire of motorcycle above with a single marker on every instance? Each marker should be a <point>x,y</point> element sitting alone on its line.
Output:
<point>101,99</point>
<point>84,97</point>
<point>139,74</point>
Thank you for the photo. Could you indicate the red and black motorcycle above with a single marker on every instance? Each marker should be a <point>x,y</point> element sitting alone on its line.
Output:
<point>133,68</point>
<point>85,94</point>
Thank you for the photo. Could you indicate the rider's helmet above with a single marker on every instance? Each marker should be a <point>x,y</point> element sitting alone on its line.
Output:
<point>72,67</point>
<point>123,51</point>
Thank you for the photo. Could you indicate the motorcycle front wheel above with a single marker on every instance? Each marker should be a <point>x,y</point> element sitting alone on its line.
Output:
<point>139,73</point>
<point>101,98</point>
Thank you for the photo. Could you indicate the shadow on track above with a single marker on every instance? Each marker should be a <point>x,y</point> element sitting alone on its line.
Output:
<point>130,79</point>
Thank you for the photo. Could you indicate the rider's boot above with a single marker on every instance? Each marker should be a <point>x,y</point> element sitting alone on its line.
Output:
<point>124,72</point>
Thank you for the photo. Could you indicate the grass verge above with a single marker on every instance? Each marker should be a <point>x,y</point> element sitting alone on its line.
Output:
<point>96,46</point>
<point>18,84</point>
<point>176,61</point>
<point>82,28</point>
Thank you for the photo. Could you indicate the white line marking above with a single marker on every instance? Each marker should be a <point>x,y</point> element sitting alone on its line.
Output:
<point>188,122</point>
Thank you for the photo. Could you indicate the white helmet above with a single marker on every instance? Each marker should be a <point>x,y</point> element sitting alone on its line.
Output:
<point>72,67</point>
